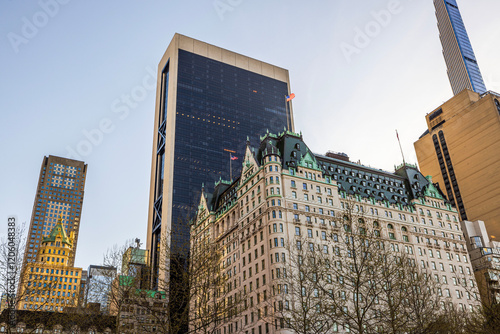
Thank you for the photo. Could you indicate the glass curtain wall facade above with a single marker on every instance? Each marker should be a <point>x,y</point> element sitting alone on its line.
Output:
<point>218,107</point>
<point>463,70</point>
<point>206,109</point>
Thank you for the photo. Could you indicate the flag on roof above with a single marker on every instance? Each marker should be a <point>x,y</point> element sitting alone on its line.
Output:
<point>290,97</point>
<point>233,158</point>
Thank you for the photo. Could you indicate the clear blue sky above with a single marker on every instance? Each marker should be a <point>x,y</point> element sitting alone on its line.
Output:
<point>64,67</point>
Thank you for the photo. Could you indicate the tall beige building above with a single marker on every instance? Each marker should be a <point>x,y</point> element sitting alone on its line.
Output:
<point>461,151</point>
<point>287,195</point>
<point>60,192</point>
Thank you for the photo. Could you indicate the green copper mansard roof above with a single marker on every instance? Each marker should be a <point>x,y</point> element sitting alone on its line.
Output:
<point>400,187</point>
<point>58,230</point>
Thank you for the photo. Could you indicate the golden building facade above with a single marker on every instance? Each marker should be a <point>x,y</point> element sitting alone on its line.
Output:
<point>51,283</point>
<point>461,151</point>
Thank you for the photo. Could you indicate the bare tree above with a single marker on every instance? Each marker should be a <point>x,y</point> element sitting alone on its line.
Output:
<point>11,271</point>
<point>214,298</point>
<point>357,280</point>
<point>297,298</point>
<point>139,309</point>
<point>19,284</point>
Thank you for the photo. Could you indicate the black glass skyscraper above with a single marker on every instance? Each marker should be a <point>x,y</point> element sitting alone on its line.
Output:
<point>463,70</point>
<point>209,101</point>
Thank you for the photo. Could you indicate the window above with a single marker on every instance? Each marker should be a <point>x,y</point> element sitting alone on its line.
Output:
<point>293,184</point>
<point>297,231</point>
<point>304,186</point>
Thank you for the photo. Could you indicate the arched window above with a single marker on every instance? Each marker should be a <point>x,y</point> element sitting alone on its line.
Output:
<point>361,221</point>
<point>274,214</point>
<point>375,224</point>
<point>390,227</point>
<point>404,229</point>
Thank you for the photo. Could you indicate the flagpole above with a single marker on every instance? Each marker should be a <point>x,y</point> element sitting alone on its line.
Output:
<point>397,135</point>
<point>287,114</point>
<point>288,98</point>
<point>230,162</point>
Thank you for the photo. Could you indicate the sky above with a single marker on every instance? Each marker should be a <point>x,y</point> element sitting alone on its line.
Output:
<point>360,70</point>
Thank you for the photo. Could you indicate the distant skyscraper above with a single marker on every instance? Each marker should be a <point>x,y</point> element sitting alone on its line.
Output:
<point>463,70</point>
<point>59,193</point>
<point>209,100</point>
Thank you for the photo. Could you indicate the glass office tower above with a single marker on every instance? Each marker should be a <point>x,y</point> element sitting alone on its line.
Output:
<point>463,70</point>
<point>209,101</point>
